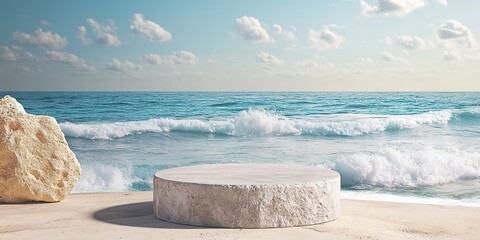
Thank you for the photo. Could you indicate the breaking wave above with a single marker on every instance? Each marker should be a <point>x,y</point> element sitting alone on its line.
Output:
<point>256,122</point>
<point>407,167</point>
<point>97,177</point>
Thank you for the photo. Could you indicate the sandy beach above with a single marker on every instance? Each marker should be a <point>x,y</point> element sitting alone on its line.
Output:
<point>129,215</point>
<point>225,120</point>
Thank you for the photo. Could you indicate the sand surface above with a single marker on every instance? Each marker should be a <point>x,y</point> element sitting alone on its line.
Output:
<point>129,216</point>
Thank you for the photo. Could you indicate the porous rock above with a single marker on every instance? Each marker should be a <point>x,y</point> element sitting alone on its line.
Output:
<point>36,163</point>
<point>247,195</point>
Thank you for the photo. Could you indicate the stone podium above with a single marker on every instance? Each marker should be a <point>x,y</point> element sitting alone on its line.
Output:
<point>247,195</point>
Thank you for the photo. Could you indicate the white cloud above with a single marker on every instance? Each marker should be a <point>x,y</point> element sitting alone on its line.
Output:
<point>71,59</point>
<point>391,7</point>
<point>334,26</point>
<point>387,41</point>
<point>177,58</point>
<point>104,34</point>
<point>363,60</point>
<point>44,23</point>
<point>452,50</point>
<point>293,47</point>
<point>151,30</point>
<point>453,29</point>
<point>451,54</point>
<point>13,54</point>
<point>282,32</point>
<point>82,33</point>
<point>268,60</point>
<point>316,62</point>
<point>456,39</point>
<point>41,38</point>
<point>443,2</point>
<point>411,42</point>
<point>394,59</point>
<point>324,39</point>
<point>7,54</point>
<point>252,31</point>
<point>117,65</point>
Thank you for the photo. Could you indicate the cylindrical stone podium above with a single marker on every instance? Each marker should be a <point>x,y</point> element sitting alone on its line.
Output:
<point>247,195</point>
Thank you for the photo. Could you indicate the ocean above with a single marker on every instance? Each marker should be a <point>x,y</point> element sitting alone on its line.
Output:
<point>407,147</point>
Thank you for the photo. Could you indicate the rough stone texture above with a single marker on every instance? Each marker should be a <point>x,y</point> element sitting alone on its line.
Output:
<point>247,195</point>
<point>36,163</point>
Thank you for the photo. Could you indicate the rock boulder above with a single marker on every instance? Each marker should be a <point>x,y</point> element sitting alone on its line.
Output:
<point>36,163</point>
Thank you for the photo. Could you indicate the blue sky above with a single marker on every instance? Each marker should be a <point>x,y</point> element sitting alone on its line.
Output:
<point>342,45</point>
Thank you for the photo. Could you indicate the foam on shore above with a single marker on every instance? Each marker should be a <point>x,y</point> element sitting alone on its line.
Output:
<point>375,196</point>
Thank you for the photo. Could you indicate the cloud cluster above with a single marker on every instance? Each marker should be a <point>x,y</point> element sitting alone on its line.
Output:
<point>393,59</point>
<point>282,32</point>
<point>325,38</point>
<point>117,65</point>
<point>151,30</point>
<point>13,54</point>
<point>70,59</point>
<point>453,29</point>
<point>251,30</point>
<point>455,38</point>
<point>41,38</point>
<point>268,61</point>
<point>103,34</point>
<point>391,7</point>
<point>411,42</point>
<point>177,58</point>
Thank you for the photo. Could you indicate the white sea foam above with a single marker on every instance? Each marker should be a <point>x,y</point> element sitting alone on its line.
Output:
<point>397,167</point>
<point>257,122</point>
<point>97,177</point>
<point>260,122</point>
<point>373,124</point>
<point>375,196</point>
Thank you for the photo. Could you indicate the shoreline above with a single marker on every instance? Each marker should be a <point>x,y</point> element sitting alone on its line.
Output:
<point>391,198</point>
<point>129,215</point>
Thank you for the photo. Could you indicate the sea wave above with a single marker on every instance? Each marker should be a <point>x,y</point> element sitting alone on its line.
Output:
<point>471,115</point>
<point>390,167</point>
<point>117,177</point>
<point>396,167</point>
<point>98,177</point>
<point>257,122</point>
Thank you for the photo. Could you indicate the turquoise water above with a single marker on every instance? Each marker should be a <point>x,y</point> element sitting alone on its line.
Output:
<point>421,147</point>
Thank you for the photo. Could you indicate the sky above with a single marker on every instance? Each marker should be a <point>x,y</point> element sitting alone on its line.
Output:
<point>190,45</point>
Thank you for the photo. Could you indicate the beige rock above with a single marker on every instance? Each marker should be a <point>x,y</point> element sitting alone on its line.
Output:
<point>36,163</point>
<point>247,195</point>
